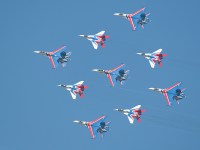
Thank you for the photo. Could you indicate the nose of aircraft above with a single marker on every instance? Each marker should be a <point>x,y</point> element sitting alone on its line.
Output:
<point>59,85</point>
<point>139,53</point>
<point>95,70</point>
<point>119,14</point>
<point>76,121</point>
<point>37,52</point>
<point>152,89</point>
<point>99,70</point>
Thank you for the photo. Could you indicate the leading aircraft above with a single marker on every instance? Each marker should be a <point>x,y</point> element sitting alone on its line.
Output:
<point>136,18</point>
<point>154,57</point>
<point>57,56</point>
<point>172,93</point>
<point>75,89</point>
<point>132,113</point>
<point>96,39</point>
<point>96,126</point>
<point>116,74</point>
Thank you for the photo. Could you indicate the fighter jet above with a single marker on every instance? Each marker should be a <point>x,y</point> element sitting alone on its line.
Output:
<point>75,89</point>
<point>116,74</point>
<point>172,93</point>
<point>137,18</point>
<point>97,126</point>
<point>132,113</point>
<point>96,39</point>
<point>57,56</point>
<point>154,57</point>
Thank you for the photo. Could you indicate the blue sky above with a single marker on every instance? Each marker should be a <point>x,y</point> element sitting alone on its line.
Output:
<point>36,114</point>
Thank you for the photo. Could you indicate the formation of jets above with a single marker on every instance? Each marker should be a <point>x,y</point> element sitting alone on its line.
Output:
<point>117,74</point>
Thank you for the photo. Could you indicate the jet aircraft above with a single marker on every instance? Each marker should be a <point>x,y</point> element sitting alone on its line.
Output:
<point>75,89</point>
<point>96,126</point>
<point>172,93</point>
<point>96,39</point>
<point>57,56</point>
<point>136,18</point>
<point>132,113</point>
<point>154,57</point>
<point>116,74</point>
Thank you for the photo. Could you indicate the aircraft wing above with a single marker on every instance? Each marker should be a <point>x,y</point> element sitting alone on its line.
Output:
<point>111,79</point>
<point>79,83</point>
<point>171,91</point>
<point>59,49</point>
<point>91,131</point>
<point>136,107</point>
<point>138,12</point>
<point>94,126</point>
<point>135,17</point>
<point>95,44</point>
<point>152,63</point>
<point>53,62</point>
<point>98,120</point>
<point>173,86</point>
<point>131,118</point>
<point>100,33</point>
<point>73,94</point>
<point>133,22</point>
<point>54,56</point>
<point>116,69</point>
<point>167,99</point>
<point>157,52</point>
<point>112,74</point>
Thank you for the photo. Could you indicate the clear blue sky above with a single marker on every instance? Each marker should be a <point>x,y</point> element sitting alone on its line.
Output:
<point>36,114</point>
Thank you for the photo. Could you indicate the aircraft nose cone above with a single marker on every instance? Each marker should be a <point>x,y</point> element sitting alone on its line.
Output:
<point>95,69</point>
<point>59,85</point>
<point>117,14</point>
<point>116,109</point>
<point>76,121</point>
<point>139,53</point>
<point>151,88</point>
<point>82,35</point>
<point>37,52</point>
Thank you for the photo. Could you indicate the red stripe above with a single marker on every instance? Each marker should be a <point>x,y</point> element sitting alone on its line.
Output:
<point>110,79</point>
<point>116,68</point>
<point>173,86</point>
<point>58,49</point>
<point>142,9</point>
<point>91,131</point>
<point>52,62</point>
<point>167,98</point>
<point>131,22</point>
<point>92,122</point>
